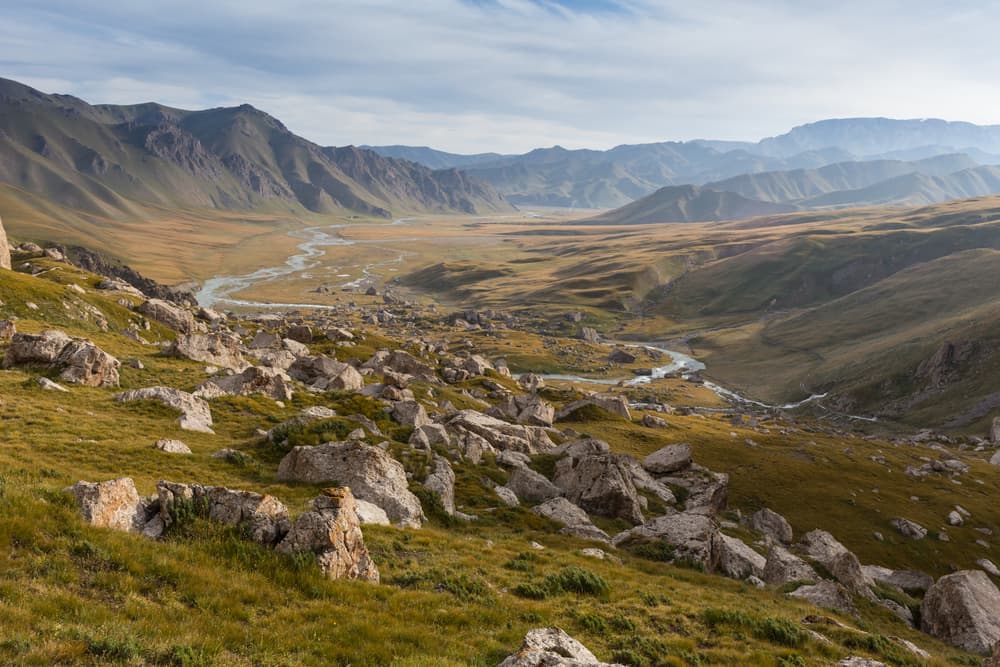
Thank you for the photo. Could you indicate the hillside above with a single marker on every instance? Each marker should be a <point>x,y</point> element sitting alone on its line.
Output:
<point>115,160</point>
<point>688,203</point>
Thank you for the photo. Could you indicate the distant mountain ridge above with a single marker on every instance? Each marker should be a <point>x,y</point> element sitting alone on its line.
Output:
<point>108,159</point>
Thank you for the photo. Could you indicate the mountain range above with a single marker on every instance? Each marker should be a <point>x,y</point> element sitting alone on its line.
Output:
<point>110,160</point>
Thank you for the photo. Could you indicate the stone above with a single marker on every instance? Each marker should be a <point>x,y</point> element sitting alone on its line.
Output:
<point>771,524</point>
<point>171,446</point>
<point>828,595</point>
<point>988,566</point>
<point>855,661</point>
<point>442,482</point>
<point>271,382</point>
<point>552,647</point>
<point>369,471</point>
<point>735,559</point>
<point>531,382</point>
<point>4,249</point>
<point>707,491</point>
<point>326,374</point>
<point>963,609</point>
<point>370,513</point>
<point>692,536</point>
<point>590,335</point>
<point>217,349</point>
<point>600,484</point>
<point>530,486</point>
<point>410,413</point>
<point>508,497</point>
<point>822,546</point>
<point>500,435</point>
<point>784,567</point>
<point>113,504</point>
<point>573,519</point>
<point>620,356</point>
<point>668,459</point>
<point>300,333</point>
<point>173,316</point>
<point>910,529</point>
<point>84,363</point>
<point>195,412</point>
<point>905,580</point>
<point>49,385</point>
<point>995,431</point>
<point>652,421</point>
<point>477,365</point>
<point>43,348</point>
<point>846,569</point>
<point>264,518</point>
<point>616,405</point>
<point>332,531</point>
<point>576,449</point>
<point>529,409</point>
<point>903,613</point>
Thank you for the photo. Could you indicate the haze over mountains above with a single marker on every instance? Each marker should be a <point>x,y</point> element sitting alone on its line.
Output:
<point>107,160</point>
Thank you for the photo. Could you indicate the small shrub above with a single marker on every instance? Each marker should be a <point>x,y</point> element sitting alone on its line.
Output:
<point>655,550</point>
<point>522,562</point>
<point>578,580</point>
<point>464,588</point>
<point>531,591</point>
<point>776,630</point>
<point>592,623</point>
<point>792,661</point>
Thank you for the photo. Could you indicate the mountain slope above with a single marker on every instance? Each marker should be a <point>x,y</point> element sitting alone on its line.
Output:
<point>432,158</point>
<point>105,159</point>
<point>688,203</point>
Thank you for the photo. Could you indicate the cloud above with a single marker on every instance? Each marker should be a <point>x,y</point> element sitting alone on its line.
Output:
<point>510,75</point>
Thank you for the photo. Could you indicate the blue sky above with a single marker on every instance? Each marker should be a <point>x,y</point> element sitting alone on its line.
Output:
<point>511,75</point>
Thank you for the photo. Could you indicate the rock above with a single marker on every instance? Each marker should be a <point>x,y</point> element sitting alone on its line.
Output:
<point>822,546</point>
<point>85,363</point>
<point>531,382</point>
<point>529,409</point>
<point>507,496</point>
<point>735,559</point>
<point>995,431</point>
<point>4,249</point>
<point>846,569</point>
<point>7,329</point>
<point>531,487</point>
<point>708,491</point>
<point>410,413</point>
<point>113,504</point>
<point>955,519</point>
<point>668,459</point>
<point>784,567</point>
<point>576,449</point>
<point>210,316</point>
<point>500,435</point>
<point>171,446</point>
<point>903,613</point>
<point>551,647</point>
<point>300,333</point>
<point>828,595</point>
<point>271,382</point>
<point>331,530</point>
<point>652,421</point>
<point>988,566</point>
<point>174,317</point>
<point>337,334</point>
<point>49,385</point>
<point>599,554</point>
<point>771,524</point>
<point>195,413</point>
<point>619,356</point>
<point>263,339</point>
<point>855,661</point>
<point>264,518</point>
<point>573,519</point>
<point>326,374</point>
<point>442,482</point>
<point>963,609</point>
<point>616,405</point>
<point>370,513</point>
<point>601,484</point>
<point>294,348</point>
<point>590,335</point>
<point>43,348</point>
<point>369,471</point>
<point>477,365</point>
<point>904,580</point>
<point>692,537</point>
<point>402,362</point>
<point>215,348</point>
<point>909,529</point>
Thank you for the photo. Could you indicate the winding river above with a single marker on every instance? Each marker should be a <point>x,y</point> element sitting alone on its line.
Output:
<point>219,290</point>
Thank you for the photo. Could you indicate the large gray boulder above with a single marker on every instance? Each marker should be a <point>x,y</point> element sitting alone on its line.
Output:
<point>908,528</point>
<point>84,363</point>
<point>195,412</point>
<point>708,491</point>
<point>963,609</point>
<point>174,317</point>
<point>771,524</point>
<point>735,559</point>
<point>601,484</point>
<point>332,531</point>
<point>326,374</point>
<point>692,536</point>
<point>500,435</point>
<point>552,647</point>
<point>217,349</point>
<point>442,482</point>
<point>828,595</point>
<point>784,567</point>
<point>42,348</point>
<point>410,413</point>
<point>263,517</point>
<point>271,382</point>
<point>613,403</point>
<point>573,519</point>
<point>530,409</point>
<point>668,459</point>
<point>531,486</point>
<point>370,473</point>
<point>113,504</point>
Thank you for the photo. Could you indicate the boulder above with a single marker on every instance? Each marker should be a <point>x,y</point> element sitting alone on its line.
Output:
<point>846,569</point>
<point>326,374</point>
<point>501,435</point>
<point>708,491</point>
<point>507,496</point>
<point>576,449</point>
<point>668,459</point>
<point>174,317</point>
<point>784,567</point>
<point>84,363</point>
<point>264,518</point>
<point>613,403</point>
<point>822,546</point>
<point>410,413</point>
<point>828,595</point>
<point>332,531</point>
<point>49,385</point>
<point>477,365</point>
<point>910,529</point>
<point>401,361</point>
<point>4,249</point>
<point>271,382</point>
<point>529,409</point>
<point>735,559</point>
<point>43,348</point>
<point>217,349</point>
<point>995,431</point>
<point>551,647</point>
<point>771,524</point>
<point>369,471</point>
<point>652,421</point>
<point>370,513</point>
<point>620,356</point>
<point>692,537</point>
<point>573,519</point>
<point>113,504</point>
<point>171,446</point>
<point>442,482</point>
<point>905,580</point>
<point>195,413</point>
<point>530,486</point>
<point>300,333</point>
<point>601,484</point>
<point>531,382</point>
<point>963,609</point>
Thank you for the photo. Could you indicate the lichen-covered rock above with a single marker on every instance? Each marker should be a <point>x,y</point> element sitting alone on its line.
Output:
<point>910,529</point>
<point>552,647</point>
<point>963,609</point>
<point>531,486</point>
<point>410,413</point>
<point>332,531</point>
<point>271,382</point>
<point>601,484</point>
<point>827,594</point>
<point>85,363</point>
<point>370,473</point>
<point>43,348</point>
<point>172,446</point>
<point>113,504</point>
<point>616,405</point>
<point>500,435</point>
<point>735,559</point>
<point>195,413</point>
<point>690,536</point>
<point>217,349</point>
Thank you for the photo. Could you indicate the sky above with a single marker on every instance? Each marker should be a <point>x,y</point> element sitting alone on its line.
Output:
<point>511,75</point>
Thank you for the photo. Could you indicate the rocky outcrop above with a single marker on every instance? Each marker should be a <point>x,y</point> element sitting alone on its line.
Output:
<point>668,459</point>
<point>771,524</point>
<point>113,504</point>
<point>828,595</point>
<point>217,349</point>
<point>500,435</point>
<point>573,519</point>
<point>690,536</point>
<point>195,413</point>
<point>176,318</point>
<point>735,559</point>
<point>552,647</point>
<point>784,567</point>
<point>4,249</point>
<point>410,413</point>
<point>326,374</point>
<point>370,473</point>
<point>707,491</point>
<point>442,482</point>
<point>600,484</point>
<point>264,518</point>
<point>81,361</point>
<point>530,409</point>
<point>332,531</point>
<point>530,486</point>
<point>616,405</point>
<point>271,382</point>
<point>963,609</point>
